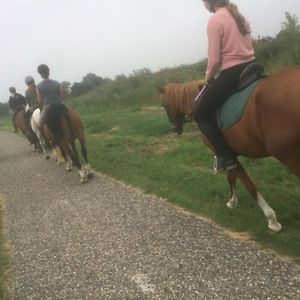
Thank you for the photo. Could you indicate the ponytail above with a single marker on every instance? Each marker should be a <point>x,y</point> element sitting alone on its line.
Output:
<point>234,11</point>
<point>239,19</point>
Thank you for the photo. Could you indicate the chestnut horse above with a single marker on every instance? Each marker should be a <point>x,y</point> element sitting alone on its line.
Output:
<point>23,123</point>
<point>62,127</point>
<point>178,100</point>
<point>269,126</point>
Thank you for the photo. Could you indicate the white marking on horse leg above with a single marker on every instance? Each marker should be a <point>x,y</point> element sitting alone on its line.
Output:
<point>83,176</point>
<point>269,213</point>
<point>69,165</point>
<point>233,201</point>
<point>88,170</point>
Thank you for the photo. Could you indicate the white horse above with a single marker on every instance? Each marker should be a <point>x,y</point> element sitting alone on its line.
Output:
<point>35,125</point>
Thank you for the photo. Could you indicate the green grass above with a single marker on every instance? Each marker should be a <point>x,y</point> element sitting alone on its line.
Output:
<point>4,258</point>
<point>133,144</point>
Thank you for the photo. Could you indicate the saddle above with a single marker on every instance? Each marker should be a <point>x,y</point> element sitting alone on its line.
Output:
<point>251,73</point>
<point>233,107</point>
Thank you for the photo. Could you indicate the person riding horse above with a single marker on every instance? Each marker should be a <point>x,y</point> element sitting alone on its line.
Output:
<point>16,103</point>
<point>49,92</point>
<point>30,94</point>
<point>230,51</point>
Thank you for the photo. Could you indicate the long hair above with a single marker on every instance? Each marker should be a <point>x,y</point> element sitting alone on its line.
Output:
<point>234,11</point>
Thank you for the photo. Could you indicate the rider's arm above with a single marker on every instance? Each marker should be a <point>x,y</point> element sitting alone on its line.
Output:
<point>214,49</point>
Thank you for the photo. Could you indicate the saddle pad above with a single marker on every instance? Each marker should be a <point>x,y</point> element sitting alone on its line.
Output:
<point>232,109</point>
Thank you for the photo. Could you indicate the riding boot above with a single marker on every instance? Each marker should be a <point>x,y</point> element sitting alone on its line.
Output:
<point>226,158</point>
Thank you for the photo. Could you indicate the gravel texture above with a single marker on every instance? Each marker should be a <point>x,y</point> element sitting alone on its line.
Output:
<point>103,240</point>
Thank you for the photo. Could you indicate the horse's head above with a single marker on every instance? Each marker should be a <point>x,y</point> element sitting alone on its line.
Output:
<point>176,118</point>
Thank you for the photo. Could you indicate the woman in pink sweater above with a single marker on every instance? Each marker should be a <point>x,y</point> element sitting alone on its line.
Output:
<point>229,52</point>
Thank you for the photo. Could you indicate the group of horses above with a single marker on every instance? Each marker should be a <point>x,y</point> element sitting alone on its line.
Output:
<point>268,126</point>
<point>62,128</point>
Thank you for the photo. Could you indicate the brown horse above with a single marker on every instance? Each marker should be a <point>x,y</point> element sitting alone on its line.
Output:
<point>62,127</point>
<point>178,99</point>
<point>269,126</point>
<point>22,122</point>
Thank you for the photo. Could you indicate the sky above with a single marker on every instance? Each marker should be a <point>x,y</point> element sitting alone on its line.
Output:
<point>113,37</point>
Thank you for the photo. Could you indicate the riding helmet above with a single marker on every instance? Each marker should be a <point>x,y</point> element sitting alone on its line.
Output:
<point>29,80</point>
<point>12,89</point>
<point>43,69</point>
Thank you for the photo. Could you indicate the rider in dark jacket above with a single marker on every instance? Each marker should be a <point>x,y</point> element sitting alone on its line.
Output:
<point>16,102</point>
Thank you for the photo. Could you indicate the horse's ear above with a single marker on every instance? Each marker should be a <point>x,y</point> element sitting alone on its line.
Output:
<point>161,89</point>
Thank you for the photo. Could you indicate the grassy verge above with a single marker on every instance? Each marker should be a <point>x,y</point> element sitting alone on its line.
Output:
<point>4,257</point>
<point>133,144</point>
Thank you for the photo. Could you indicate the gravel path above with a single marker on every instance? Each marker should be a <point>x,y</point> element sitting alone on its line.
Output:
<point>103,240</point>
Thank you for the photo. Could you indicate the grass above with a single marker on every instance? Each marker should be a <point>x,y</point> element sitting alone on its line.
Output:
<point>133,144</point>
<point>4,257</point>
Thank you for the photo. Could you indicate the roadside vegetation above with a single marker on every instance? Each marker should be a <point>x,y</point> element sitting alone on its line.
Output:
<point>129,139</point>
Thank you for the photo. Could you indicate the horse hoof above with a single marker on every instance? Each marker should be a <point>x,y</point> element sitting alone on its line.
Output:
<point>83,179</point>
<point>275,227</point>
<point>47,156</point>
<point>90,175</point>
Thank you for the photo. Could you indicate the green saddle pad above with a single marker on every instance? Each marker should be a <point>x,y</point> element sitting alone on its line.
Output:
<point>231,111</point>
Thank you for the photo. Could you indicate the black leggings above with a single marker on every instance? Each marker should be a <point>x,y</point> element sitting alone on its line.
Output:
<point>204,111</point>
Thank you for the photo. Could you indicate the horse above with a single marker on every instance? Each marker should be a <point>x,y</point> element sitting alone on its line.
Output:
<point>23,123</point>
<point>35,125</point>
<point>177,99</point>
<point>268,126</point>
<point>62,127</point>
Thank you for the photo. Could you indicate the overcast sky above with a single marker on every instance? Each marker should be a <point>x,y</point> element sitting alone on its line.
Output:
<point>111,37</point>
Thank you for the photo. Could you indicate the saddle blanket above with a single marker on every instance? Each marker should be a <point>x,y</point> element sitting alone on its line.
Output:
<point>231,111</point>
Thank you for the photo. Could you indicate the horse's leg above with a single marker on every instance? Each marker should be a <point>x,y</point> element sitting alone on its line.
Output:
<point>87,166</point>
<point>42,142</point>
<point>269,213</point>
<point>291,160</point>
<point>233,199</point>
<point>72,152</point>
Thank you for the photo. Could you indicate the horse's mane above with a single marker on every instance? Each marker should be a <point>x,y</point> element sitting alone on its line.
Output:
<point>180,96</point>
<point>55,114</point>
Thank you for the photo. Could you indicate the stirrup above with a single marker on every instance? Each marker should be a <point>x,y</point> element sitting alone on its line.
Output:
<point>218,165</point>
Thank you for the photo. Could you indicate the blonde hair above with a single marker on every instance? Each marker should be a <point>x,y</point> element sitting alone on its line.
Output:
<point>234,11</point>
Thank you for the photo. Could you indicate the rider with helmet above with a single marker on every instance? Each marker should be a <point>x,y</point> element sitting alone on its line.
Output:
<point>30,94</point>
<point>229,51</point>
<point>16,102</point>
<point>49,92</point>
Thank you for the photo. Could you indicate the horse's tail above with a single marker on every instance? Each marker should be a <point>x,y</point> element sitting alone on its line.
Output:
<point>56,112</point>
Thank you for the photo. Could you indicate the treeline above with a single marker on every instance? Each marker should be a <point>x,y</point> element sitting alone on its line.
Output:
<point>277,52</point>
<point>4,109</point>
<point>283,50</point>
<point>89,82</point>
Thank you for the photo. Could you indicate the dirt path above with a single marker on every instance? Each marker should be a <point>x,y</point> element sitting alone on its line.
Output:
<point>102,240</point>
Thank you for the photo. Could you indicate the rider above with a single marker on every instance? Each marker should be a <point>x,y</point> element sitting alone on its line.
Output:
<point>49,92</point>
<point>229,51</point>
<point>16,102</point>
<point>30,94</point>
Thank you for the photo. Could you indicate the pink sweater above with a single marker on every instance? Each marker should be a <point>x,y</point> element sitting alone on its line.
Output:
<point>227,47</point>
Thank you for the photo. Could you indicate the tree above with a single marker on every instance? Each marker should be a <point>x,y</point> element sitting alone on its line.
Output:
<point>4,109</point>
<point>291,25</point>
